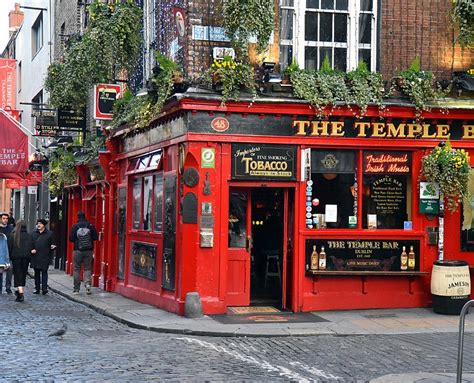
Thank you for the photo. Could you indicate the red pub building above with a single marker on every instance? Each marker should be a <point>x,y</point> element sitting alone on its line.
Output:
<point>262,201</point>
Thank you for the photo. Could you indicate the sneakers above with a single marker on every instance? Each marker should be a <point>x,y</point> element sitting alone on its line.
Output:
<point>36,292</point>
<point>9,291</point>
<point>88,290</point>
<point>45,292</point>
<point>75,292</point>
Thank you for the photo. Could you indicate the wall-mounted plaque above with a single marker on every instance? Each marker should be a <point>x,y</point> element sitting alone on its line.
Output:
<point>144,259</point>
<point>191,177</point>
<point>190,208</point>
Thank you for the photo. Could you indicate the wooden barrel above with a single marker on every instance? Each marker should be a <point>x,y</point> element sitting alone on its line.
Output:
<point>450,286</point>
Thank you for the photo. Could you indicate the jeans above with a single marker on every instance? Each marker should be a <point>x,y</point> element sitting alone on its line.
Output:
<point>8,279</point>
<point>82,258</point>
<point>43,275</point>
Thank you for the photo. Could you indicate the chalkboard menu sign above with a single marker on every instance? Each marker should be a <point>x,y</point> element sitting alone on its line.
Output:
<point>387,199</point>
<point>362,255</point>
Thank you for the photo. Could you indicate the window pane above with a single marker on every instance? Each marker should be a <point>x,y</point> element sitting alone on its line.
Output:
<point>325,30</point>
<point>286,3</point>
<point>323,53</point>
<point>137,194</point>
<point>155,160</point>
<point>158,195</point>
<point>311,58</point>
<point>340,59</point>
<point>286,56</point>
<point>364,55</point>
<point>143,162</point>
<point>286,24</point>
<point>342,203</point>
<point>237,219</point>
<point>366,5</point>
<point>312,3</point>
<point>147,202</point>
<point>341,5</point>
<point>364,28</point>
<point>340,28</point>
<point>327,4</point>
<point>311,26</point>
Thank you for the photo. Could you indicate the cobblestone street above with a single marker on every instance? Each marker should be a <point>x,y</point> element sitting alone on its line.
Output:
<point>96,347</point>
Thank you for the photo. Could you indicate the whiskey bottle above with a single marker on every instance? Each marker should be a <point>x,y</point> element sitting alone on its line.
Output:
<point>404,259</point>
<point>411,259</point>
<point>322,259</point>
<point>314,259</point>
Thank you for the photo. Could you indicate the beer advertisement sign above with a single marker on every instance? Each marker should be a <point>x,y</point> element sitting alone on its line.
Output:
<point>263,162</point>
<point>384,255</point>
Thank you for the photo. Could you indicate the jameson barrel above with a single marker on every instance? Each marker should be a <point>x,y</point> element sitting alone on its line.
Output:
<point>450,286</point>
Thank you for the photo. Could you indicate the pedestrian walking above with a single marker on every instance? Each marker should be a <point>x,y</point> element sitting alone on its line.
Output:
<point>7,229</point>
<point>20,245</point>
<point>43,246</point>
<point>4,255</point>
<point>83,234</point>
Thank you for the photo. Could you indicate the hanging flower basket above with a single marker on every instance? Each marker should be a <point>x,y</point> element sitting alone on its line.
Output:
<point>449,168</point>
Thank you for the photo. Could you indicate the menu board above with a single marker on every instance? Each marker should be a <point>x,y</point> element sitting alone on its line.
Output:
<point>386,199</point>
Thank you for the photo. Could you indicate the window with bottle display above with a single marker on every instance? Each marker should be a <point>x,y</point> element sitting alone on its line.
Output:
<point>147,203</point>
<point>333,189</point>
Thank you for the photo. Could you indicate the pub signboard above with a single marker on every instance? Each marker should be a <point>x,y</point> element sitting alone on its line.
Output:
<point>263,162</point>
<point>384,255</point>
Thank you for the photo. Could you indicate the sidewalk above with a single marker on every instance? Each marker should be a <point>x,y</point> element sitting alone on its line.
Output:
<point>353,322</point>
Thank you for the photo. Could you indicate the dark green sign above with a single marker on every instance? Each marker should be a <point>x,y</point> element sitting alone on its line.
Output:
<point>429,206</point>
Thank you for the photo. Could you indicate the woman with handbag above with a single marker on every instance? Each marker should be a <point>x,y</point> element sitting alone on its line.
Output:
<point>20,244</point>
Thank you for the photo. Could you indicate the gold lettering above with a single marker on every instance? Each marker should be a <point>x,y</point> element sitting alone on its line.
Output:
<point>398,131</point>
<point>468,131</point>
<point>378,129</point>
<point>414,130</point>
<point>426,132</point>
<point>301,127</point>
<point>337,128</point>
<point>317,130</point>
<point>361,127</point>
<point>442,131</point>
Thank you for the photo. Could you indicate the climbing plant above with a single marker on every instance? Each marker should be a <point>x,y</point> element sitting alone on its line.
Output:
<point>110,45</point>
<point>463,17</point>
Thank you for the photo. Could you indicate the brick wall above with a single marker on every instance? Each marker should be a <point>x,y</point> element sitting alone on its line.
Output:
<point>67,12</point>
<point>420,28</point>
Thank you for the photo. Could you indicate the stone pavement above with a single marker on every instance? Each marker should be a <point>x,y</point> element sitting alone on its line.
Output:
<point>339,323</point>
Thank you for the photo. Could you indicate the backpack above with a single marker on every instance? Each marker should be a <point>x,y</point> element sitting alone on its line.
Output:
<point>84,238</point>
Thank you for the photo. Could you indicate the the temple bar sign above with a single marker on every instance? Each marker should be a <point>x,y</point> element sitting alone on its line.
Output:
<point>379,130</point>
<point>263,162</point>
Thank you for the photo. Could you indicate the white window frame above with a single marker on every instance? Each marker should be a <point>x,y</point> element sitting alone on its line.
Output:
<point>37,37</point>
<point>299,43</point>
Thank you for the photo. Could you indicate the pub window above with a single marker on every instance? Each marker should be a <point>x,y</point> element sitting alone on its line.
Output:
<point>147,202</point>
<point>158,202</point>
<point>467,218</point>
<point>331,194</point>
<point>237,220</point>
<point>386,189</point>
<point>343,30</point>
<point>137,193</point>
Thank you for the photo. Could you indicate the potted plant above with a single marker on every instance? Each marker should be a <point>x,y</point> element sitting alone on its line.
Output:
<point>419,86</point>
<point>289,70</point>
<point>231,76</point>
<point>449,168</point>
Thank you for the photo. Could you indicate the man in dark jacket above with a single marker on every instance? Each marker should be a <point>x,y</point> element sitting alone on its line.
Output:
<point>6,229</point>
<point>83,234</point>
<point>41,255</point>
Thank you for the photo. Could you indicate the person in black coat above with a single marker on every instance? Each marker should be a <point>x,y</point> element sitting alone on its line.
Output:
<point>20,245</point>
<point>6,229</point>
<point>41,255</point>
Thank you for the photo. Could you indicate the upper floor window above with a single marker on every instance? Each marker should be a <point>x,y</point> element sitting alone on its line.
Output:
<point>344,31</point>
<point>37,35</point>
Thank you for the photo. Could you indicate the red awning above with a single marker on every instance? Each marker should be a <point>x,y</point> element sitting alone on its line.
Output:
<point>88,194</point>
<point>13,149</point>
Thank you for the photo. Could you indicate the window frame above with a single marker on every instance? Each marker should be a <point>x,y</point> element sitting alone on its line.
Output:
<point>299,43</point>
<point>37,35</point>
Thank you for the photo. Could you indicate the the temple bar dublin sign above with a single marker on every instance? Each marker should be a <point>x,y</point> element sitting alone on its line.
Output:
<point>263,162</point>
